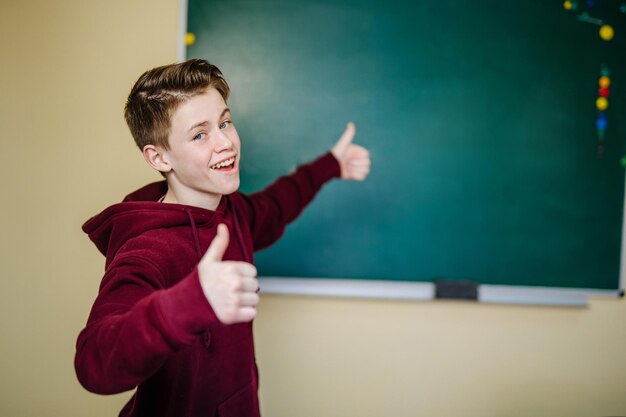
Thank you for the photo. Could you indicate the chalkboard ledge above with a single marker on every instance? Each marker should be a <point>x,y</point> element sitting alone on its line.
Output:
<point>424,291</point>
<point>548,296</point>
<point>352,288</point>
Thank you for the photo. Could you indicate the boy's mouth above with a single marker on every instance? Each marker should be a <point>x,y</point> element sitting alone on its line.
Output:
<point>226,164</point>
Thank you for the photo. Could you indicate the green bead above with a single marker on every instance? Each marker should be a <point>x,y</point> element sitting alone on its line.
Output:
<point>623,161</point>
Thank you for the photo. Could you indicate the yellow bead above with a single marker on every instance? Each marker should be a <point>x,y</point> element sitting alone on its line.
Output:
<point>602,103</point>
<point>567,5</point>
<point>604,82</point>
<point>606,32</point>
<point>190,39</point>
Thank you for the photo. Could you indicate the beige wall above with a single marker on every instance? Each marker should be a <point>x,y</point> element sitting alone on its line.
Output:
<point>66,69</point>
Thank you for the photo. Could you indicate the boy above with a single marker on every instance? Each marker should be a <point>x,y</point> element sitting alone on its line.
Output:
<point>173,316</point>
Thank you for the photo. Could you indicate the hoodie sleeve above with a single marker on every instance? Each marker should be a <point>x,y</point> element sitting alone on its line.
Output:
<point>271,210</point>
<point>135,324</point>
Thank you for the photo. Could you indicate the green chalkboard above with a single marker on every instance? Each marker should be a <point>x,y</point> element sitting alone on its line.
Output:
<point>481,122</point>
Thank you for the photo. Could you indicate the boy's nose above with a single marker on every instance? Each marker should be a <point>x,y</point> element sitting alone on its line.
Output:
<point>222,142</point>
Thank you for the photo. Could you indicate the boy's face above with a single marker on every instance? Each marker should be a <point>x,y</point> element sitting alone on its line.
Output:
<point>204,149</point>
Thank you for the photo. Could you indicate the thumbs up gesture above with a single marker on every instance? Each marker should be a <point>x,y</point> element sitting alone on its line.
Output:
<point>354,160</point>
<point>229,286</point>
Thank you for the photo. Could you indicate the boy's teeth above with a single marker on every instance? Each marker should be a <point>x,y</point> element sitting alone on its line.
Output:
<point>223,163</point>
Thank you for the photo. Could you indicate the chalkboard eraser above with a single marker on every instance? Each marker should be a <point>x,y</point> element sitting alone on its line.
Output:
<point>456,289</point>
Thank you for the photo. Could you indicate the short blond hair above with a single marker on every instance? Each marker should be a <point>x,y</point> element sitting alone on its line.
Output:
<point>158,92</point>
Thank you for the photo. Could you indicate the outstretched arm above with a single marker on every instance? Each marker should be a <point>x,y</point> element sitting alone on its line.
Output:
<point>271,210</point>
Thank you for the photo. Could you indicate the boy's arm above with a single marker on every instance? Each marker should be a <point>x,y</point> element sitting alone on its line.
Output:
<point>135,324</point>
<point>272,209</point>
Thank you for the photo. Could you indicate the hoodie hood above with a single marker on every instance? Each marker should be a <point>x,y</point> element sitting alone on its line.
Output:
<point>139,212</point>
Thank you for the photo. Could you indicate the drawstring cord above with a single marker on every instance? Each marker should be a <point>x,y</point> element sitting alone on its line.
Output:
<point>240,240</point>
<point>194,231</point>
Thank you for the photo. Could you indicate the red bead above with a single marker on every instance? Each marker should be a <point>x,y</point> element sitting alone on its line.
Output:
<point>603,92</point>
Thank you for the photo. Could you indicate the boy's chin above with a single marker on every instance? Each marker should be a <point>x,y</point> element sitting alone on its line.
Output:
<point>231,188</point>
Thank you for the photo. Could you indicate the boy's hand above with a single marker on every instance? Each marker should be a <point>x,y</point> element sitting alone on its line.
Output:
<point>229,286</point>
<point>354,160</point>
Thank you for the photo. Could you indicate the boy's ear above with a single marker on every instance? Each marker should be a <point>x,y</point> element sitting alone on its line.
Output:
<point>156,157</point>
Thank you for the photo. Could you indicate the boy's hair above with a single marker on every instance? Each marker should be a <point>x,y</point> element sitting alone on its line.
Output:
<point>158,92</point>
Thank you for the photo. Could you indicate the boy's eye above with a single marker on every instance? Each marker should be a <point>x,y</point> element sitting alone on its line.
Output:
<point>198,136</point>
<point>225,124</point>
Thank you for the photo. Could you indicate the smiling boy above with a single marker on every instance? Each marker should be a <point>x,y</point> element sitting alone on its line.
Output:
<point>173,316</point>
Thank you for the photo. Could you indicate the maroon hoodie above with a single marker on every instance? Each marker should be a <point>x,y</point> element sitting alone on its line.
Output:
<point>151,326</point>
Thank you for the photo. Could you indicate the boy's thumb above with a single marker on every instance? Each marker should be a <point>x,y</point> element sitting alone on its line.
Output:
<point>218,246</point>
<point>345,140</point>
